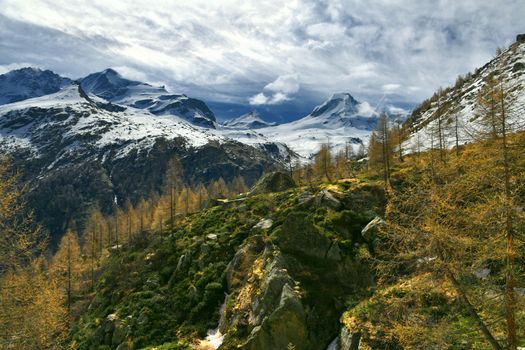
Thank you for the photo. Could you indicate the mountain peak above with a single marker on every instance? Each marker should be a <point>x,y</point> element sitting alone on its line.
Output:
<point>110,71</point>
<point>28,82</point>
<point>113,87</point>
<point>250,120</point>
<point>342,96</point>
<point>338,104</point>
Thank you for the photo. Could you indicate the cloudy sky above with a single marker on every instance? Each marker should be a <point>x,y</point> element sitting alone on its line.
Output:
<point>282,57</point>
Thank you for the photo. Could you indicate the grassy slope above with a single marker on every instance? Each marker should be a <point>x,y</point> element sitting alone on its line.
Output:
<point>155,303</point>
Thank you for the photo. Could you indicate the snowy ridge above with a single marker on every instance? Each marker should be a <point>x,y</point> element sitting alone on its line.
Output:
<point>339,120</point>
<point>107,110</point>
<point>509,67</point>
<point>74,124</point>
<point>111,86</point>
<point>77,118</point>
<point>24,83</point>
<point>251,120</point>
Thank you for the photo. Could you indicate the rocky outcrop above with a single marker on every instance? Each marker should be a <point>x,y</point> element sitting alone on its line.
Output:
<point>348,340</point>
<point>299,236</point>
<point>370,231</point>
<point>274,298</point>
<point>326,199</point>
<point>267,305</point>
<point>273,182</point>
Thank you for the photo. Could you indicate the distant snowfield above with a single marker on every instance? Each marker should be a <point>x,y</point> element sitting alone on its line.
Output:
<point>305,141</point>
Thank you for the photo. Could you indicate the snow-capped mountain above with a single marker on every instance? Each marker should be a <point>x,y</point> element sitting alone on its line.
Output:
<point>111,86</point>
<point>72,146</point>
<point>340,120</point>
<point>87,123</point>
<point>461,100</point>
<point>251,120</point>
<point>24,83</point>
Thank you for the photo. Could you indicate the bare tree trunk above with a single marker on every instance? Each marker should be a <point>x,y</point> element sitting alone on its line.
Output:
<point>472,311</point>
<point>93,260</point>
<point>172,223</point>
<point>509,283</point>
<point>69,275</point>
<point>129,227</point>
<point>386,160</point>
<point>457,134</point>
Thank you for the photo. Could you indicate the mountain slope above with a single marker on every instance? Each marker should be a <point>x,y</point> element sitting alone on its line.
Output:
<point>282,266</point>
<point>112,87</point>
<point>460,101</point>
<point>21,84</point>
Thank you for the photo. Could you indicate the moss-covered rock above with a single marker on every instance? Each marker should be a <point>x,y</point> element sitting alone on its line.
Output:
<point>273,182</point>
<point>298,235</point>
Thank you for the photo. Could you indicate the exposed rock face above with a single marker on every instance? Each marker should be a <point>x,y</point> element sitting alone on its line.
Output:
<point>275,315</point>
<point>274,182</point>
<point>299,236</point>
<point>326,198</point>
<point>520,38</point>
<point>348,341</point>
<point>271,308</point>
<point>370,231</point>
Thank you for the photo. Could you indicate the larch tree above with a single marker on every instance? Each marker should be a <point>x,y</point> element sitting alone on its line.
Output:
<point>202,196</point>
<point>429,229</point>
<point>32,311</point>
<point>66,265</point>
<point>92,244</point>
<point>380,148</point>
<point>32,315</point>
<point>323,163</point>
<point>21,240</point>
<point>238,185</point>
<point>341,164</point>
<point>173,182</point>
<point>499,114</point>
<point>218,189</point>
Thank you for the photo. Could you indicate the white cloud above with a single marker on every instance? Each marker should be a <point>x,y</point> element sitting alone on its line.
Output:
<point>279,90</point>
<point>132,73</point>
<point>262,99</point>
<point>278,98</point>
<point>366,110</point>
<point>390,88</point>
<point>288,84</point>
<point>245,50</point>
<point>259,99</point>
<point>326,31</point>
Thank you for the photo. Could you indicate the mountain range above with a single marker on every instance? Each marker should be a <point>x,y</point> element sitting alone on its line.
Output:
<point>106,139</point>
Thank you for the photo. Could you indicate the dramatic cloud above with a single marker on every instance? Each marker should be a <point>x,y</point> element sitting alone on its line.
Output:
<point>263,52</point>
<point>279,91</point>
